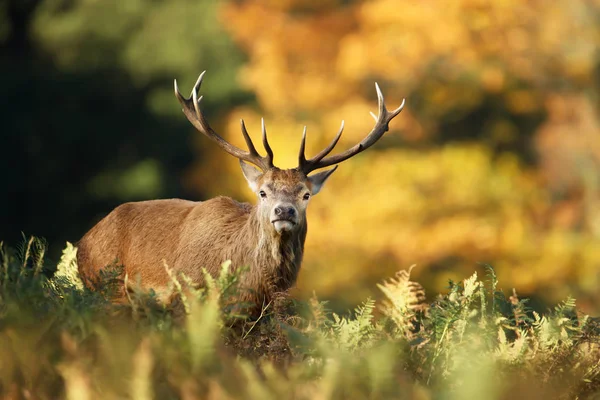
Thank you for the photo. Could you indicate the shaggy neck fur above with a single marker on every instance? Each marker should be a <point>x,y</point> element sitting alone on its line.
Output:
<point>276,257</point>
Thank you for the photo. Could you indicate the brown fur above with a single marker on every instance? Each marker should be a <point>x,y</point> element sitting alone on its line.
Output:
<point>191,235</point>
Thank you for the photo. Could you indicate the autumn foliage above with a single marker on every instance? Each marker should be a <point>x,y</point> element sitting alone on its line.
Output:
<point>494,159</point>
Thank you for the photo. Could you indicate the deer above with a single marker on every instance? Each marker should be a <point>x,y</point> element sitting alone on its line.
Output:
<point>191,237</point>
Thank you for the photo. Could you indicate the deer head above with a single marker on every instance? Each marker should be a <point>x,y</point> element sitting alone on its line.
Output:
<point>283,195</point>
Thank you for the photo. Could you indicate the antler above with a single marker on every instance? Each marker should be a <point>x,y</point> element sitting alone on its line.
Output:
<point>191,109</point>
<point>381,126</point>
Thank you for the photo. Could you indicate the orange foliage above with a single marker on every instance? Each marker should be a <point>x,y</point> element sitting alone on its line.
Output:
<point>438,204</point>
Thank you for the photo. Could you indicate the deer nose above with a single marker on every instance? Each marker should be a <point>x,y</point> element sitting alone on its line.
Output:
<point>285,211</point>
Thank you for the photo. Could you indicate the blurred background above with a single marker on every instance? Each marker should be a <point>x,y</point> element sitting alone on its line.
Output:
<point>495,158</point>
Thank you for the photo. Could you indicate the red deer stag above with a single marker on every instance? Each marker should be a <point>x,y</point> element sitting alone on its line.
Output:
<point>268,237</point>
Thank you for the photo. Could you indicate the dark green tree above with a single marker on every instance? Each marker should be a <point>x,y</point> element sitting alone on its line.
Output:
<point>88,118</point>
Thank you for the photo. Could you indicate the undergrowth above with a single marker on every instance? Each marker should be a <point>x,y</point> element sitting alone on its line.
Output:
<point>60,340</point>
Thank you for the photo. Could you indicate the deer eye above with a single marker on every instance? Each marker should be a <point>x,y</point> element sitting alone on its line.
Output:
<point>262,194</point>
<point>306,196</point>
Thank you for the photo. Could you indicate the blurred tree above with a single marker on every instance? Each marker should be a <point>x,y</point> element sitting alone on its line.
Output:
<point>88,118</point>
<point>460,177</point>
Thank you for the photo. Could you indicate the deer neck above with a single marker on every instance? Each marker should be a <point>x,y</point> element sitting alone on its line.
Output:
<point>277,256</point>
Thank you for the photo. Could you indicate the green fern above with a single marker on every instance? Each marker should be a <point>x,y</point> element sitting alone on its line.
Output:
<point>66,271</point>
<point>353,333</point>
<point>471,342</point>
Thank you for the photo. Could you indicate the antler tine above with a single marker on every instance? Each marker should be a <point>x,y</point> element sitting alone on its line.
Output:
<point>301,155</point>
<point>195,98</point>
<point>331,146</point>
<point>381,126</point>
<point>191,109</point>
<point>249,142</point>
<point>198,83</point>
<point>268,149</point>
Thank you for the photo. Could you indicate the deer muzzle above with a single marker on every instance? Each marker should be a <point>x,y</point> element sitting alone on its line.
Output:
<point>284,217</point>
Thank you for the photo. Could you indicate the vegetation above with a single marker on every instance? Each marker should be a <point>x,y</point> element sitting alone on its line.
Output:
<point>58,340</point>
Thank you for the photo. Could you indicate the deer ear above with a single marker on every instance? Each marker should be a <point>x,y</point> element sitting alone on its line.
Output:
<point>251,174</point>
<point>318,180</point>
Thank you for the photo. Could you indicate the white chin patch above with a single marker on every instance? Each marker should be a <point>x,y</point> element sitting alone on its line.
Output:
<point>283,226</point>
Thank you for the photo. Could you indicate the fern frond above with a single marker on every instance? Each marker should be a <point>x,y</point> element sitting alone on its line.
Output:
<point>403,299</point>
<point>67,267</point>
